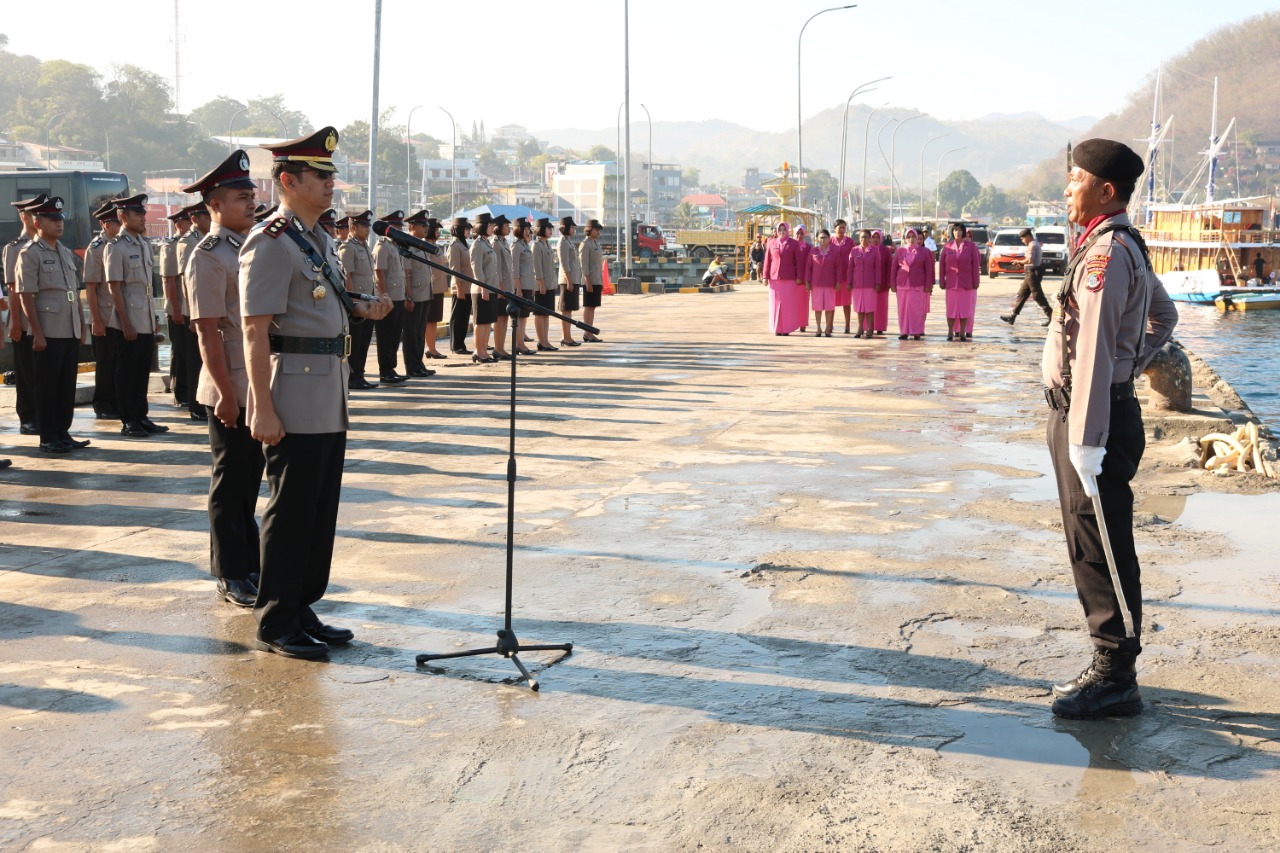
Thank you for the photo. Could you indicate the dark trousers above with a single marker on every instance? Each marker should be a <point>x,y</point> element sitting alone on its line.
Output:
<point>388,329</point>
<point>234,478</point>
<point>1031,287</point>
<point>194,363</point>
<point>304,474</point>
<point>183,391</point>
<point>54,379</point>
<point>24,379</point>
<point>414,336</point>
<point>1125,445</point>
<point>104,376</point>
<point>361,335</point>
<point>459,318</point>
<point>133,369</point>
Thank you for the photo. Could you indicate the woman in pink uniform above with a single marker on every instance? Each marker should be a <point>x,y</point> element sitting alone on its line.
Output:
<point>842,245</point>
<point>782,275</point>
<point>913,281</point>
<point>820,281</point>
<point>866,278</point>
<point>884,247</point>
<point>958,275</point>
<point>801,304</point>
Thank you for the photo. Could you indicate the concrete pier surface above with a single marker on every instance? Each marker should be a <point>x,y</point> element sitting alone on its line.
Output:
<point>817,592</point>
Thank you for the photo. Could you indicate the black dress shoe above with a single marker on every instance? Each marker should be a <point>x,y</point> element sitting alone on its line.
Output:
<point>151,426</point>
<point>527,351</point>
<point>107,415</point>
<point>55,446</point>
<point>241,593</point>
<point>28,429</point>
<point>463,351</point>
<point>134,430</point>
<point>5,463</point>
<point>253,577</point>
<point>592,339</point>
<point>361,384</point>
<point>73,444</point>
<point>547,348</point>
<point>391,378</point>
<point>200,414</point>
<point>298,644</point>
<point>422,373</point>
<point>330,635</point>
<point>502,356</point>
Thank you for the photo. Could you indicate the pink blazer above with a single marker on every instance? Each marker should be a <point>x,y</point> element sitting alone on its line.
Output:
<point>886,265</point>
<point>958,266</point>
<point>866,267</point>
<point>842,248</point>
<point>782,259</point>
<point>822,270</point>
<point>803,250</point>
<point>914,268</point>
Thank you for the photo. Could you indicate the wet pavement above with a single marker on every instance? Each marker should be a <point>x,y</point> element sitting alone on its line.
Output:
<point>816,590</point>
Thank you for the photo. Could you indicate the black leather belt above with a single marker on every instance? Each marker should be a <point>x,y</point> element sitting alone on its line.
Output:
<point>339,346</point>
<point>1059,399</point>
<point>1122,391</point>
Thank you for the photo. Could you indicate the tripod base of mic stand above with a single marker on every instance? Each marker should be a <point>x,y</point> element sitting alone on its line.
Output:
<point>509,647</point>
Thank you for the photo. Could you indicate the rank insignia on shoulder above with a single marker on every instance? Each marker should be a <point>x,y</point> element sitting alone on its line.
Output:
<point>95,242</point>
<point>276,226</point>
<point>210,241</point>
<point>1094,273</point>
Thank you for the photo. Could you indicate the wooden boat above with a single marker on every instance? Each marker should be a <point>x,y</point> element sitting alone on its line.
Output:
<point>1254,299</point>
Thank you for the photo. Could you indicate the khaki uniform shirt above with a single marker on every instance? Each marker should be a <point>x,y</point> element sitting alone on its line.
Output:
<point>544,266</point>
<point>419,280</point>
<point>460,262</point>
<point>95,273</point>
<point>1116,315</point>
<point>386,257</point>
<point>570,265</point>
<point>183,248</point>
<point>128,260</point>
<point>309,391</point>
<point>522,266</point>
<point>167,260</point>
<point>592,258</point>
<point>503,252</point>
<point>439,280</point>
<point>357,262</point>
<point>9,258</point>
<point>213,278</point>
<point>484,262</point>
<point>49,273</point>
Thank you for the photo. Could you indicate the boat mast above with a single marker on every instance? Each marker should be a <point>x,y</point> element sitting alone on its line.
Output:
<point>1154,146</point>
<point>1213,145</point>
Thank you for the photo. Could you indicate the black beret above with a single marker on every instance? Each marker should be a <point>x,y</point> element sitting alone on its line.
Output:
<point>1108,160</point>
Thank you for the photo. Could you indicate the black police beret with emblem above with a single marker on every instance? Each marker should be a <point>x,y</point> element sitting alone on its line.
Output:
<point>1108,160</point>
<point>314,151</point>
<point>231,172</point>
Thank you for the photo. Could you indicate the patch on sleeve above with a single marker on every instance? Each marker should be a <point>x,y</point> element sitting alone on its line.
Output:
<point>1094,271</point>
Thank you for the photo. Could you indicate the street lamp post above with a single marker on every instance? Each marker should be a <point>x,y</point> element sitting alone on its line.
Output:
<point>937,198</point>
<point>283,126</point>
<point>844,131</point>
<point>885,158</point>
<point>862,189</point>
<point>408,158</point>
<point>48,125</point>
<point>617,167</point>
<point>922,148</point>
<point>799,113</point>
<point>231,140</point>
<point>453,171</point>
<point>893,165</point>
<point>648,216</point>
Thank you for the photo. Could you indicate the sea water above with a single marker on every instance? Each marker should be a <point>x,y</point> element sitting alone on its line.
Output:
<point>1243,347</point>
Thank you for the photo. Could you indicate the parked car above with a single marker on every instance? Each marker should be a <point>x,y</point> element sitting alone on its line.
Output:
<point>1008,254</point>
<point>981,237</point>
<point>1055,253</point>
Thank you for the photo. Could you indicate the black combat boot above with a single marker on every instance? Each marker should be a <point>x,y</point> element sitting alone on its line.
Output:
<point>1108,687</point>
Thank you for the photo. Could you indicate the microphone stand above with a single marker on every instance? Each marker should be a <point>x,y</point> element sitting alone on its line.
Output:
<point>508,646</point>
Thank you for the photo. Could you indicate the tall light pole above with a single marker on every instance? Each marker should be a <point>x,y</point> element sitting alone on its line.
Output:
<point>453,171</point>
<point>624,228</point>
<point>408,158</point>
<point>922,148</point>
<point>231,140</point>
<point>373,121</point>
<point>844,130</point>
<point>885,158</point>
<point>617,195</point>
<point>648,216</point>
<point>799,114</point>
<point>893,164</point>
<point>47,126</point>
<point>862,190</point>
<point>283,126</point>
<point>937,197</point>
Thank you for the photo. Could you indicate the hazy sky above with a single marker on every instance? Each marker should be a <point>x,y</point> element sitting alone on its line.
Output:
<point>560,64</point>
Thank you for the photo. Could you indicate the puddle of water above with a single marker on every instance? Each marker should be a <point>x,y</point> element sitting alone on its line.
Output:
<point>1033,459</point>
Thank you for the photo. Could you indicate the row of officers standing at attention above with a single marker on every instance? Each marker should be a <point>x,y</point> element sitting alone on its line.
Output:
<point>858,276</point>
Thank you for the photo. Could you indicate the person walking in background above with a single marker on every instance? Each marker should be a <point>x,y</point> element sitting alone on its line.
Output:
<point>913,282</point>
<point>781,272</point>
<point>958,273</point>
<point>1033,274</point>
<point>821,278</point>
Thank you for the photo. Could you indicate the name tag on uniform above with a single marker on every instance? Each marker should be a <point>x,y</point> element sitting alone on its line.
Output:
<point>49,261</point>
<point>134,257</point>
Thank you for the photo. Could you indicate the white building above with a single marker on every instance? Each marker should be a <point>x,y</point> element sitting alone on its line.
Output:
<point>584,190</point>
<point>440,179</point>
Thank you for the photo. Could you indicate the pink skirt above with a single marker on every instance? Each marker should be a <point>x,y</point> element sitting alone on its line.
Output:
<point>882,310</point>
<point>844,297</point>
<point>864,300</point>
<point>824,299</point>
<point>799,305</point>
<point>961,303</point>
<point>782,314</point>
<point>913,306</point>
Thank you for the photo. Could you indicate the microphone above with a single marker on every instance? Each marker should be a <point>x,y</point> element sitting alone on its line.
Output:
<point>382,229</point>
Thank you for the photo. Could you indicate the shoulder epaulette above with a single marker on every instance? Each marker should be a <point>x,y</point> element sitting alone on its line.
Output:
<point>210,241</point>
<point>275,227</point>
<point>96,242</point>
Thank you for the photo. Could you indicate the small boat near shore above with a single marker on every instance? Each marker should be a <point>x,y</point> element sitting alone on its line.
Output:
<point>1254,299</point>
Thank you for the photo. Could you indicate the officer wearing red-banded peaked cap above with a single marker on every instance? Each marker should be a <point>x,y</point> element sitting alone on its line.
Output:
<point>314,151</point>
<point>134,202</point>
<point>231,172</point>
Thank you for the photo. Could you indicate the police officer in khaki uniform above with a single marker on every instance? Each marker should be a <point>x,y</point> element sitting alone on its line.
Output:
<point>200,224</point>
<point>591,257</point>
<point>175,307</point>
<point>484,263</point>
<point>48,286</point>
<point>357,265</point>
<point>98,297</point>
<point>506,279</point>
<point>388,270</point>
<point>329,222</point>
<point>570,278</point>
<point>211,276</point>
<point>459,262</point>
<point>544,278</point>
<point>523,278</point>
<point>19,330</point>
<point>296,340</point>
<point>341,230</point>
<point>133,321</point>
<point>1113,316</point>
<point>420,302</point>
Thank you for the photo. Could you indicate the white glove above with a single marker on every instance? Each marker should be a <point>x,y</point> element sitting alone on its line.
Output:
<point>1087,461</point>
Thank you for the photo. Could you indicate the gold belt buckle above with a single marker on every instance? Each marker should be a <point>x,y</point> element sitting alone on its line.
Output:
<point>346,346</point>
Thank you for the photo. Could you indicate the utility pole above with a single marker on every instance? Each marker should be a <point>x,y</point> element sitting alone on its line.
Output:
<point>373,122</point>
<point>624,228</point>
